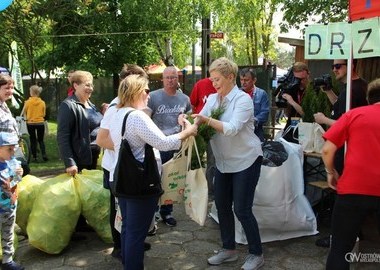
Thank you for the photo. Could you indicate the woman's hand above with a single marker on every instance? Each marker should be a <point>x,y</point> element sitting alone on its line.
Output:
<point>200,119</point>
<point>72,171</point>
<point>181,119</point>
<point>190,129</point>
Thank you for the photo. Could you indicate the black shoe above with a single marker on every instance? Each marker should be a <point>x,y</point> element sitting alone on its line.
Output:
<point>147,246</point>
<point>169,220</point>
<point>11,266</point>
<point>45,158</point>
<point>323,242</point>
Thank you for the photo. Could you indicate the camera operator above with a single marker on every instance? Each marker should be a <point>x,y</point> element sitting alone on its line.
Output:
<point>294,111</point>
<point>358,93</point>
<point>358,98</point>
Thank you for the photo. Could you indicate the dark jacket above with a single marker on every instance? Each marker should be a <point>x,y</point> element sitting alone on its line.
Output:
<point>73,134</point>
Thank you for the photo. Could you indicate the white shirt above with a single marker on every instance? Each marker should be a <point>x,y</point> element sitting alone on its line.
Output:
<point>237,147</point>
<point>140,130</point>
<point>108,155</point>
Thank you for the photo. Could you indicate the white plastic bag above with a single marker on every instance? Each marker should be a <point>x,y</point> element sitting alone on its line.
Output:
<point>318,138</point>
<point>306,136</point>
<point>118,218</point>
<point>21,124</point>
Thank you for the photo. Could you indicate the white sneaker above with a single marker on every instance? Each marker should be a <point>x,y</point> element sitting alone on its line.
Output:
<point>253,262</point>
<point>223,255</point>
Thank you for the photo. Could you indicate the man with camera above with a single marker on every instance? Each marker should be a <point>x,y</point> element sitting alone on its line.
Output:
<point>293,90</point>
<point>358,92</point>
<point>358,98</point>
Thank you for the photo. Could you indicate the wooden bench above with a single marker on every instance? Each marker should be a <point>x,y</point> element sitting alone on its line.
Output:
<point>326,193</point>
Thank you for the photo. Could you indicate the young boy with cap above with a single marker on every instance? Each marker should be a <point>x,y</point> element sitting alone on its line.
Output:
<point>9,175</point>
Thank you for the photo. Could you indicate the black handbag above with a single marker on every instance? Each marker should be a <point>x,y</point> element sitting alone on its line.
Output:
<point>133,179</point>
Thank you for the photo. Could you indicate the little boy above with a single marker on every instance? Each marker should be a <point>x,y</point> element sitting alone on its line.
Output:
<point>8,198</point>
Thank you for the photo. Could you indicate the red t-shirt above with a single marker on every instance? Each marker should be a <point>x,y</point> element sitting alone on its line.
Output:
<point>201,90</point>
<point>360,128</point>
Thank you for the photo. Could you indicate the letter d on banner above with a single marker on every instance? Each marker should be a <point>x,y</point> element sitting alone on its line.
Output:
<point>316,41</point>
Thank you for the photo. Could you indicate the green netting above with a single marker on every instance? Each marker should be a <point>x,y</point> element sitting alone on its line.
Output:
<point>54,215</point>
<point>27,191</point>
<point>95,202</point>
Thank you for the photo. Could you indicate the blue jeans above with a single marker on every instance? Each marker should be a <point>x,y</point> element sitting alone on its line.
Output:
<point>348,216</point>
<point>137,215</point>
<point>238,189</point>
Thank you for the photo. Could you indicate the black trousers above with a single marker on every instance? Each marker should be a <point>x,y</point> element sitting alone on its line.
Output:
<point>349,214</point>
<point>36,135</point>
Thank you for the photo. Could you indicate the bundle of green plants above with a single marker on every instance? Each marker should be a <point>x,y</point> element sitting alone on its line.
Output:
<point>205,133</point>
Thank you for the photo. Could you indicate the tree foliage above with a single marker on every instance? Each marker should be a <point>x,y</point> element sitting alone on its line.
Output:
<point>24,23</point>
<point>248,25</point>
<point>101,35</point>
<point>297,12</point>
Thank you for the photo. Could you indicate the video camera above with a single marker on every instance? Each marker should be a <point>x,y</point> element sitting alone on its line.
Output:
<point>324,81</point>
<point>288,84</point>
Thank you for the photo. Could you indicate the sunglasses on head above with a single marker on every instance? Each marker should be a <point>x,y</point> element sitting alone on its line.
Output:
<point>338,66</point>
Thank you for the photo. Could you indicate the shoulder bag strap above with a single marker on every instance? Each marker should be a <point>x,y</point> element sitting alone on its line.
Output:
<point>125,122</point>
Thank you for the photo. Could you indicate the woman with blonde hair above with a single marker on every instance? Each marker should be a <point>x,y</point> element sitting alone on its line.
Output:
<point>140,130</point>
<point>238,158</point>
<point>78,125</point>
<point>34,112</point>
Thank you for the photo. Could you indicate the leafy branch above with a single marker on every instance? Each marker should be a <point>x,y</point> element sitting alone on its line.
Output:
<point>205,133</point>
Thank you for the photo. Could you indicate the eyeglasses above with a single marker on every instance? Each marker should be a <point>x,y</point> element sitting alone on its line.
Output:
<point>170,77</point>
<point>337,66</point>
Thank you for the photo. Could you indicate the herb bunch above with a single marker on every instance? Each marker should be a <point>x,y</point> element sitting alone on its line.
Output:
<point>205,133</point>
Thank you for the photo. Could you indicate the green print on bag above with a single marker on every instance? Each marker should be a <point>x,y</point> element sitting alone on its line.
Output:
<point>173,177</point>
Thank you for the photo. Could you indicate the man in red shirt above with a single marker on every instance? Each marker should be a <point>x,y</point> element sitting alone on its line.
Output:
<point>201,90</point>
<point>358,188</point>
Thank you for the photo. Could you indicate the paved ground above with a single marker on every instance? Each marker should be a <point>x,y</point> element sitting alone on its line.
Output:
<point>187,246</point>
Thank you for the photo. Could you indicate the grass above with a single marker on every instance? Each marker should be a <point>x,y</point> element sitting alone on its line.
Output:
<point>54,165</point>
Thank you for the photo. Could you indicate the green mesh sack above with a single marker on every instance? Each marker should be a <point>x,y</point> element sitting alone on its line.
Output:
<point>95,201</point>
<point>27,191</point>
<point>15,244</point>
<point>54,215</point>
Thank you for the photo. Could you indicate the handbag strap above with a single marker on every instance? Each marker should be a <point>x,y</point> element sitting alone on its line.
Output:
<point>125,122</point>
